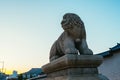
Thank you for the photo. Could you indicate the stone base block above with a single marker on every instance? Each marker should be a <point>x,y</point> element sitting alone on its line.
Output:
<point>80,77</point>
<point>74,67</point>
<point>73,71</point>
<point>73,61</point>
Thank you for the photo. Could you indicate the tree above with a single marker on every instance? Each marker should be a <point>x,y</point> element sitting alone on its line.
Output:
<point>20,77</point>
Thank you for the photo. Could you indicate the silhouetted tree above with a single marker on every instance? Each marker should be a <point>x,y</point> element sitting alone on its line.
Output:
<point>20,77</point>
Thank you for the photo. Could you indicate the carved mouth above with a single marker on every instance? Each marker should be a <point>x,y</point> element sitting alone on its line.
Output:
<point>67,27</point>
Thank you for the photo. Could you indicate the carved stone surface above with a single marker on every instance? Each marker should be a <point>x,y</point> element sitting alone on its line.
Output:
<point>80,77</point>
<point>74,67</point>
<point>72,40</point>
<point>73,61</point>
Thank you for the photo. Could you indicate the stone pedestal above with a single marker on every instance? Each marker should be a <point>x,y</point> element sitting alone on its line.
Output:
<point>74,67</point>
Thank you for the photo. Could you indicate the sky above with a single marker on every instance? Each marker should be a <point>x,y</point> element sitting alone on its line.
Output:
<point>28,28</point>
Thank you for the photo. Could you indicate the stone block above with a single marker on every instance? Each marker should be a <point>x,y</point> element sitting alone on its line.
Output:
<point>73,61</point>
<point>74,67</point>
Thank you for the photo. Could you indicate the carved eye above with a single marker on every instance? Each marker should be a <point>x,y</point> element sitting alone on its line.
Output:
<point>81,23</point>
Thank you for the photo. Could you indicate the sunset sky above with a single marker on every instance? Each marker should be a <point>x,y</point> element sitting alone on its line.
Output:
<point>28,28</point>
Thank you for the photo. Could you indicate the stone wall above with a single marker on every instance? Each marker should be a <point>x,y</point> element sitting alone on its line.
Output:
<point>111,67</point>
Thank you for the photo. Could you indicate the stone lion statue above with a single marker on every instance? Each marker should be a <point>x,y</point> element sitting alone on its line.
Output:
<point>72,40</point>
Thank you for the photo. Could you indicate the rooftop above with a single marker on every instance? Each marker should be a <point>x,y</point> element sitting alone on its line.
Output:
<point>110,51</point>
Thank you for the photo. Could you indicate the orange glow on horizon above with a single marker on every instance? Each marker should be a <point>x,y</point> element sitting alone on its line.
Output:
<point>10,71</point>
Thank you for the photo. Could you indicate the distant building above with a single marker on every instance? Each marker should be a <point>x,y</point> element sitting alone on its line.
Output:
<point>34,72</point>
<point>14,76</point>
<point>41,76</point>
<point>3,76</point>
<point>111,64</point>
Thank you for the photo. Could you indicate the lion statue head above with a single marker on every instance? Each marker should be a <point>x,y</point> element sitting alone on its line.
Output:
<point>73,25</point>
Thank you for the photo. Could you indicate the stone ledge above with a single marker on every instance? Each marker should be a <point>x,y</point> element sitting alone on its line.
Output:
<point>73,61</point>
<point>80,77</point>
<point>73,72</point>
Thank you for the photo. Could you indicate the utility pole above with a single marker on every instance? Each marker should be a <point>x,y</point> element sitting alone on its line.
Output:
<point>2,66</point>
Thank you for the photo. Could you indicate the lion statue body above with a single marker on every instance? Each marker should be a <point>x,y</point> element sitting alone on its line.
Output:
<point>72,40</point>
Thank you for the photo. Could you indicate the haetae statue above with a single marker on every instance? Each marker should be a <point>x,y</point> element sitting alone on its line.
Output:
<point>72,40</point>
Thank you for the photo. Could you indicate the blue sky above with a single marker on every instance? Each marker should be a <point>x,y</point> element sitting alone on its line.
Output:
<point>28,28</point>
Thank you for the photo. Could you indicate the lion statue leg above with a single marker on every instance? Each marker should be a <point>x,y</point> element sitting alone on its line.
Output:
<point>69,46</point>
<point>53,52</point>
<point>83,48</point>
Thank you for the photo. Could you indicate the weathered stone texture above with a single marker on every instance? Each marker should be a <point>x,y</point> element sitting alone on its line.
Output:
<point>72,40</point>
<point>74,67</point>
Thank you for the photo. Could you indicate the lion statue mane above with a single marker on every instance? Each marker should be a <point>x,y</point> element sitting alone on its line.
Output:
<point>72,40</point>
